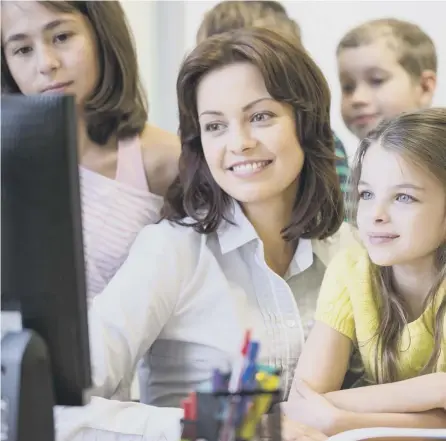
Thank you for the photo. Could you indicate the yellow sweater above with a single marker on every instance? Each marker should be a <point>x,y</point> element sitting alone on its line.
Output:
<point>346,303</point>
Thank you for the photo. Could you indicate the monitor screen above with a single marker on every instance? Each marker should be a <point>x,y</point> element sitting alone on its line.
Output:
<point>42,265</point>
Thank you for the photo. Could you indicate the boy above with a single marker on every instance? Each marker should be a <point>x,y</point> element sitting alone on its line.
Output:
<point>228,15</point>
<point>386,67</point>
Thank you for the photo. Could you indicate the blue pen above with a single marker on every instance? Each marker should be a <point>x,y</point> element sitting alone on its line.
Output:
<point>250,370</point>
<point>248,379</point>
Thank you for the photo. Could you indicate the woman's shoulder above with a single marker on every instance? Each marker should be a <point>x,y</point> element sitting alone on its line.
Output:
<point>171,234</point>
<point>160,151</point>
<point>169,242</point>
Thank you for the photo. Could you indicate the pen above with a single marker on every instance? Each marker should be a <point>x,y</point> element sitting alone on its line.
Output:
<point>267,382</point>
<point>248,380</point>
<point>234,382</point>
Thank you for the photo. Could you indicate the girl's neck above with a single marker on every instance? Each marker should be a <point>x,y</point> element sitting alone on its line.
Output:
<point>413,282</point>
<point>101,159</point>
<point>84,143</point>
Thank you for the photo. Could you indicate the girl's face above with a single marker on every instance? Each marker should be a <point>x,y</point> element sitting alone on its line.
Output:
<point>249,139</point>
<point>402,209</point>
<point>49,51</point>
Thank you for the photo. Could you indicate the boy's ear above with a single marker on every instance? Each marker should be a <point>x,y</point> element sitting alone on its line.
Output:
<point>428,84</point>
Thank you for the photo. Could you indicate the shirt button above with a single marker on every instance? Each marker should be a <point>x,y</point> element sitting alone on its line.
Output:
<point>290,323</point>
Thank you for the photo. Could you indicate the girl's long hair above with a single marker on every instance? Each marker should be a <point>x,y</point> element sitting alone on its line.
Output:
<point>419,137</point>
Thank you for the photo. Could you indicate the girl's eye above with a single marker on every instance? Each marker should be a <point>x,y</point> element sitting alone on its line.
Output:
<point>23,50</point>
<point>63,37</point>
<point>365,195</point>
<point>405,198</point>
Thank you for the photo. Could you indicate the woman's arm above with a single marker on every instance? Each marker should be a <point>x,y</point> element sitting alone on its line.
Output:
<point>124,321</point>
<point>418,394</point>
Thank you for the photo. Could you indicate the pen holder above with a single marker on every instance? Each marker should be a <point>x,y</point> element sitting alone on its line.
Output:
<point>214,416</point>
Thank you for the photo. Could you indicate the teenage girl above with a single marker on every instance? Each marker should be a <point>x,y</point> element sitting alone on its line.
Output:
<point>84,48</point>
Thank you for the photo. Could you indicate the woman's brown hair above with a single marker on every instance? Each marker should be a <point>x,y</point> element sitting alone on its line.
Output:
<point>421,138</point>
<point>290,76</point>
<point>117,105</point>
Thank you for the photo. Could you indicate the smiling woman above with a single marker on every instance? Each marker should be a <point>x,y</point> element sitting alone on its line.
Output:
<point>275,114</point>
<point>250,225</point>
<point>250,144</point>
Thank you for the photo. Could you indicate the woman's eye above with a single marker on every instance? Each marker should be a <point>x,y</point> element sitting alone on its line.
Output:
<point>213,127</point>
<point>262,116</point>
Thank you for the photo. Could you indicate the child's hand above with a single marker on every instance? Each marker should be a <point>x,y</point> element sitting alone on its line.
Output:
<point>312,409</point>
<point>442,384</point>
<point>294,431</point>
<point>291,431</point>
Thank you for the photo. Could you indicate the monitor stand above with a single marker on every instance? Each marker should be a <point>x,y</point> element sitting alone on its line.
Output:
<point>27,388</point>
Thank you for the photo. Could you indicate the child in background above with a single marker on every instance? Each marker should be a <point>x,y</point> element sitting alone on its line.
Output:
<point>228,15</point>
<point>85,48</point>
<point>386,67</point>
<point>387,298</point>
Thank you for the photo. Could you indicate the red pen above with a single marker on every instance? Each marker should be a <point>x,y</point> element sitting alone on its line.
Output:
<point>187,409</point>
<point>193,405</point>
<point>189,406</point>
<point>234,381</point>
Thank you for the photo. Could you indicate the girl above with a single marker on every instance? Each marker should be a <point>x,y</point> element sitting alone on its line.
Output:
<point>387,298</point>
<point>249,228</point>
<point>84,48</point>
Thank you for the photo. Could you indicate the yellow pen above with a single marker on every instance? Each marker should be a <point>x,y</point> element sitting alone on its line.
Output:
<point>267,382</point>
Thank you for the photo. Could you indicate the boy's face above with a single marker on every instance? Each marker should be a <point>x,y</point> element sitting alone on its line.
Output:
<point>376,87</point>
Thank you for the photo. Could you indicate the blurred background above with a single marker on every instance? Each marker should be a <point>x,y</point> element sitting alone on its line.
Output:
<point>165,32</point>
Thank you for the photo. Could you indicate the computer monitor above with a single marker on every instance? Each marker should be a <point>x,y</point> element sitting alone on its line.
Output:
<point>42,262</point>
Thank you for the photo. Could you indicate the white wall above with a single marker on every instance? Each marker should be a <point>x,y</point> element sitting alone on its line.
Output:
<point>158,29</point>
<point>140,16</point>
<point>323,23</point>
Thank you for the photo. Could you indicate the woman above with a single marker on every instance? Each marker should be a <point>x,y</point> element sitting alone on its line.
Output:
<point>249,227</point>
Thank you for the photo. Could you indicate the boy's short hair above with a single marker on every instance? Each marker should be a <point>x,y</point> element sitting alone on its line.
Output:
<point>414,48</point>
<point>229,15</point>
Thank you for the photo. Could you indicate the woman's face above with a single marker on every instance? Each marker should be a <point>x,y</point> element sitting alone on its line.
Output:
<point>249,139</point>
<point>48,51</point>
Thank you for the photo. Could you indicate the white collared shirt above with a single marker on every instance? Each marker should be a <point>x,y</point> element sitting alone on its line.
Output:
<point>182,302</point>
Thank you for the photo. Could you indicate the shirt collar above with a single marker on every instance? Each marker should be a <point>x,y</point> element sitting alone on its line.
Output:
<point>302,260</point>
<point>237,231</point>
